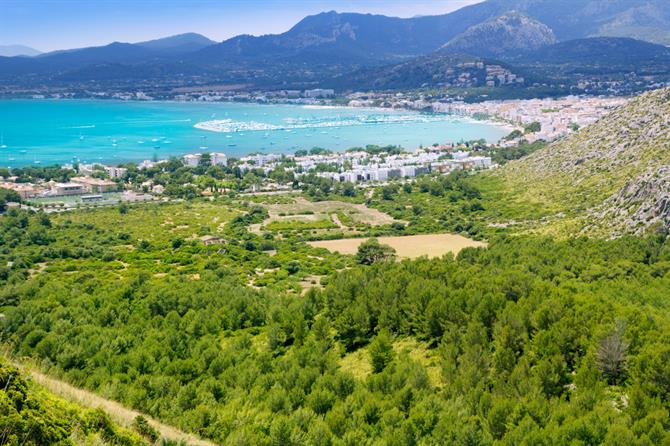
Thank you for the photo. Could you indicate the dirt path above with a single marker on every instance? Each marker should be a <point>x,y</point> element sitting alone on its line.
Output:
<point>337,221</point>
<point>119,414</point>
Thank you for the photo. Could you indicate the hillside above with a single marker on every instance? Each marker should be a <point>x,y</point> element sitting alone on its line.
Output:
<point>17,50</point>
<point>609,178</point>
<point>31,416</point>
<point>438,351</point>
<point>509,33</point>
<point>609,56</point>
<point>451,70</point>
<point>575,19</point>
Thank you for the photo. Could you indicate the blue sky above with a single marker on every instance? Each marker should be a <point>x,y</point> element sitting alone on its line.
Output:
<point>59,24</point>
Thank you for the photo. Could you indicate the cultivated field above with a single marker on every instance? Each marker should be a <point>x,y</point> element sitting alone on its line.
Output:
<point>296,214</point>
<point>409,247</point>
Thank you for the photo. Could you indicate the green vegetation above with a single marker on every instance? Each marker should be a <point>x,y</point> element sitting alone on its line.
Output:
<point>7,196</point>
<point>31,416</point>
<point>533,127</point>
<point>371,251</point>
<point>527,328</point>
<point>300,225</point>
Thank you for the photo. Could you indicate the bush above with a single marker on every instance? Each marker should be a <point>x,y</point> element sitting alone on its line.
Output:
<point>381,352</point>
<point>142,426</point>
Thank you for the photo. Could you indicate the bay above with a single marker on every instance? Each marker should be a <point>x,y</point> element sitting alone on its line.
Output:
<point>49,132</point>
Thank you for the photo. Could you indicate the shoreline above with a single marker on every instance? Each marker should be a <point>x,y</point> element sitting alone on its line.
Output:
<point>356,130</point>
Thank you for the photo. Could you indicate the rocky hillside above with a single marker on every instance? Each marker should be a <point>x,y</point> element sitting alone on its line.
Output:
<point>509,33</point>
<point>608,179</point>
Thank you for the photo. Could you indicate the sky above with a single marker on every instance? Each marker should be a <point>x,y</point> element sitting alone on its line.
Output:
<point>48,25</point>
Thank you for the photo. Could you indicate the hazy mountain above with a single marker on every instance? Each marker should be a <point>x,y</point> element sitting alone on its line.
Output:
<point>605,51</point>
<point>574,19</point>
<point>178,44</point>
<point>332,37</point>
<point>17,50</point>
<point>330,44</point>
<point>509,33</point>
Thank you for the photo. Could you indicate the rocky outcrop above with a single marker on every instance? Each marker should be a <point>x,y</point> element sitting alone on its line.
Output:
<point>643,203</point>
<point>509,33</point>
<point>612,176</point>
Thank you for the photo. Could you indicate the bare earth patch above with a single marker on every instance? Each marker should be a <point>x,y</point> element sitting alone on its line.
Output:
<point>358,212</point>
<point>409,247</point>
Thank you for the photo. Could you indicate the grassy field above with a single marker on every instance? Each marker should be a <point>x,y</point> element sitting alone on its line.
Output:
<point>358,362</point>
<point>157,222</point>
<point>349,214</point>
<point>409,247</point>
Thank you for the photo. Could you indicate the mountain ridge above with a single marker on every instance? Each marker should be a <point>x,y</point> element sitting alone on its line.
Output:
<point>322,46</point>
<point>18,50</point>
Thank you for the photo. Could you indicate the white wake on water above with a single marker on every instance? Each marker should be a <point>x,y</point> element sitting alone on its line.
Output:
<point>231,126</point>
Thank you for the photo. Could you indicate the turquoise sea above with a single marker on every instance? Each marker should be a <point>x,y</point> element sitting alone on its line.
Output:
<point>48,132</point>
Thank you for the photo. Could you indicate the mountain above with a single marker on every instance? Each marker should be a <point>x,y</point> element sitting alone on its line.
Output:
<point>17,50</point>
<point>610,178</point>
<point>346,38</point>
<point>178,44</point>
<point>606,51</point>
<point>434,70</point>
<point>596,62</point>
<point>509,33</point>
<point>575,19</point>
<point>327,45</point>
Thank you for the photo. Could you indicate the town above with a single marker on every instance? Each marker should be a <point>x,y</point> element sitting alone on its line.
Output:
<point>102,184</point>
<point>535,120</point>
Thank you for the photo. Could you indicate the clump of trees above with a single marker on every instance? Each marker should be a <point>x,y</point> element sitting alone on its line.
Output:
<point>371,251</point>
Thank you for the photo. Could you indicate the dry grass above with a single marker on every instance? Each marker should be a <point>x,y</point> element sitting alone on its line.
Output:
<point>358,212</point>
<point>358,362</point>
<point>116,411</point>
<point>310,282</point>
<point>409,247</point>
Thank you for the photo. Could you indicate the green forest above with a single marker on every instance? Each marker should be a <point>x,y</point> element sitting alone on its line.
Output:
<point>532,340</point>
<point>31,416</point>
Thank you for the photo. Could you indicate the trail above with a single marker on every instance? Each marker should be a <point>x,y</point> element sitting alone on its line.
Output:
<point>337,221</point>
<point>116,411</point>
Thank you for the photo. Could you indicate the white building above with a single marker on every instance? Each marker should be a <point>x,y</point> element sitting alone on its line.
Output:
<point>408,171</point>
<point>320,93</point>
<point>86,169</point>
<point>219,159</point>
<point>192,159</point>
<point>146,164</point>
<point>116,172</point>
